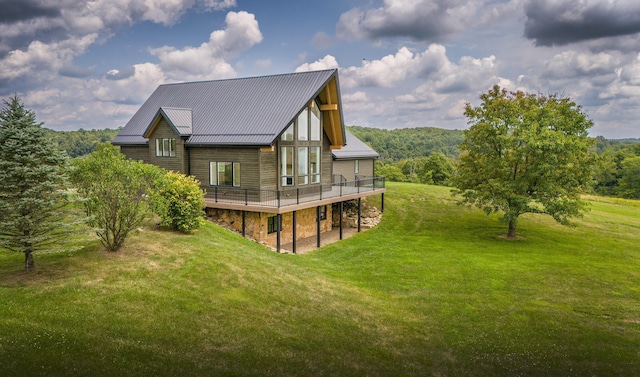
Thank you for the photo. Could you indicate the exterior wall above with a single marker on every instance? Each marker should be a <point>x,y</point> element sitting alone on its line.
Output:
<point>346,168</point>
<point>326,170</point>
<point>249,159</point>
<point>177,163</point>
<point>136,152</point>
<point>256,224</point>
<point>269,170</point>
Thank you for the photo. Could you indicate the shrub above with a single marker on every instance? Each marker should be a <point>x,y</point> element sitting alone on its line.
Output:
<point>179,201</point>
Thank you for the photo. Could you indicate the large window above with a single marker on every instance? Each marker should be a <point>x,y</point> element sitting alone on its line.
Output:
<point>286,166</point>
<point>300,146</point>
<point>165,147</point>
<point>314,164</point>
<point>303,165</point>
<point>224,173</point>
<point>316,129</point>
<point>288,133</point>
<point>303,125</point>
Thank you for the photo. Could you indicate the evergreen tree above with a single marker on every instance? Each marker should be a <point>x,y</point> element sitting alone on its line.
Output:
<point>33,185</point>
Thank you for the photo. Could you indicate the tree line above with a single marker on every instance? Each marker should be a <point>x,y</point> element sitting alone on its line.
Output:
<point>435,152</point>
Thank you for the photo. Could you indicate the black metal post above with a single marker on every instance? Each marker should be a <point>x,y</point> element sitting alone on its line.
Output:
<point>359,212</point>
<point>246,196</point>
<point>341,209</point>
<point>318,223</point>
<point>382,209</point>
<point>215,193</point>
<point>279,221</point>
<point>294,231</point>
<point>244,223</point>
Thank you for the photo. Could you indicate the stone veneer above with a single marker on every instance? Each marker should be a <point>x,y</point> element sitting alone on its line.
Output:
<point>256,224</point>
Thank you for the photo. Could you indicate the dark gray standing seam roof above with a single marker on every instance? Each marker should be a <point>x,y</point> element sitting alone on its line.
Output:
<point>180,119</point>
<point>354,149</point>
<point>244,111</point>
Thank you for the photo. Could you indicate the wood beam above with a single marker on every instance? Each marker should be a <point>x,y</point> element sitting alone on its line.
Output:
<point>268,149</point>
<point>329,107</point>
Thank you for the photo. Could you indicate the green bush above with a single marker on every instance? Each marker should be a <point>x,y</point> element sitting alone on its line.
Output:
<point>179,201</point>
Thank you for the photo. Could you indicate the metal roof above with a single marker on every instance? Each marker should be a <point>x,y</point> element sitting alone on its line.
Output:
<point>180,119</point>
<point>354,149</point>
<point>249,111</point>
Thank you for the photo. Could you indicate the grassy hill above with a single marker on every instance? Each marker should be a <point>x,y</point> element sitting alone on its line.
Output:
<point>432,290</point>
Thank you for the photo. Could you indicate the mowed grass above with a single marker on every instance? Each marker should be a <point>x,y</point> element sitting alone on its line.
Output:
<point>433,290</point>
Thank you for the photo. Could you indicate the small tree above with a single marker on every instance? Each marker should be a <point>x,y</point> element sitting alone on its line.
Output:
<point>34,195</point>
<point>524,153</point>
<point>116,192</point>
<point>179,201</point>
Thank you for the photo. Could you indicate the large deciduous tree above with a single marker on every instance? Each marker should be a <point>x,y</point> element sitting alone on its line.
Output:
<point>525,153</point>
<point>34,196</point>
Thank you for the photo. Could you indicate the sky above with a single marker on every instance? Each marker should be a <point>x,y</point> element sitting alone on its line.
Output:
<point>402,63</point>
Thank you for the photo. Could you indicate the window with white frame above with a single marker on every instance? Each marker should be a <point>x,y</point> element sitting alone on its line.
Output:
<point>356,166</point>
<point>224,173</point>
<point>303,165</point>
<point>314,164</point>
<point>286,166</point>
<point>165,147</point>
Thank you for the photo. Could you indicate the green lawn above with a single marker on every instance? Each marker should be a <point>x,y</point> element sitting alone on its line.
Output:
<point>432,290</point>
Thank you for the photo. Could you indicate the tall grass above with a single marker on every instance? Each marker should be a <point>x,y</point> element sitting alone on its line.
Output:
<point>432,290</point>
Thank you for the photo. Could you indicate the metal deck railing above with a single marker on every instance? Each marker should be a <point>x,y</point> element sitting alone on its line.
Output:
<point>293,196</point>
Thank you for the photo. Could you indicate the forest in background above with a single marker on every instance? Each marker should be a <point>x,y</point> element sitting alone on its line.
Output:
<point>427,155</point>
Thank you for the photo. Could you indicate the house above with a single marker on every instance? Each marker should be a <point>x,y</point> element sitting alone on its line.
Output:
<point>263,148</point>
<point>355,161</point>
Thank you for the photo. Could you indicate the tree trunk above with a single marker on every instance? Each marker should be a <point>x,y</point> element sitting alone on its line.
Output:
<point>29,263</point>
<point>512,229</point>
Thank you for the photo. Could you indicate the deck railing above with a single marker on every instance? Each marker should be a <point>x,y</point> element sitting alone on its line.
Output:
<point>293,196</point>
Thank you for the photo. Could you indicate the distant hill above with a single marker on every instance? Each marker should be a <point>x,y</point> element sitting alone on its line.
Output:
<point>410,142</point>
<point>81,142</point>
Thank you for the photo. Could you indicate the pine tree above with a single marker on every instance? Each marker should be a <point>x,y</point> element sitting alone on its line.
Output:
<point>33,185</point>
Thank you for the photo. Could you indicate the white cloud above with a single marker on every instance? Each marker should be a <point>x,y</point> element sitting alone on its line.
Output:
<point>41,61</point>
<point>385,72</point>
<point>208,61</point>
<point>328,62</point>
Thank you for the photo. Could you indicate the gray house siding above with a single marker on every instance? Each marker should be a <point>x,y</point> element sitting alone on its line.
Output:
<point>136,152</point>
<point>346,168</point>
<point>249,159</point>
<point>269,170</point>
<point>164,131</point>
<point>327,162</point>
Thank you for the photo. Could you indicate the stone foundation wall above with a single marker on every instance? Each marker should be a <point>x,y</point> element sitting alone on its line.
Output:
<point>256,224</point>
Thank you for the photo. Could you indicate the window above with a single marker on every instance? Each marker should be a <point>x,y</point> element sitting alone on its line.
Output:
<point>315,164</point>
<point>224,174</point>
<point>272,224</point>
<point>303,125</point>
<point>303,165</point>
<point>165,147</point>
<point>288,133</point>
<point>356,166</point>
<point>323,213</point>
<point>316,129</point>
<point>286,166</point>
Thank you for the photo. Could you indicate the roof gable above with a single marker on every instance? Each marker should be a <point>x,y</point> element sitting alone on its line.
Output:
<point>181,120</point>
<point>244,111</point>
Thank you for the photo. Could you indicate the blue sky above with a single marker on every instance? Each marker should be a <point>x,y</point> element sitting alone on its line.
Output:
<point>402,63</point>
